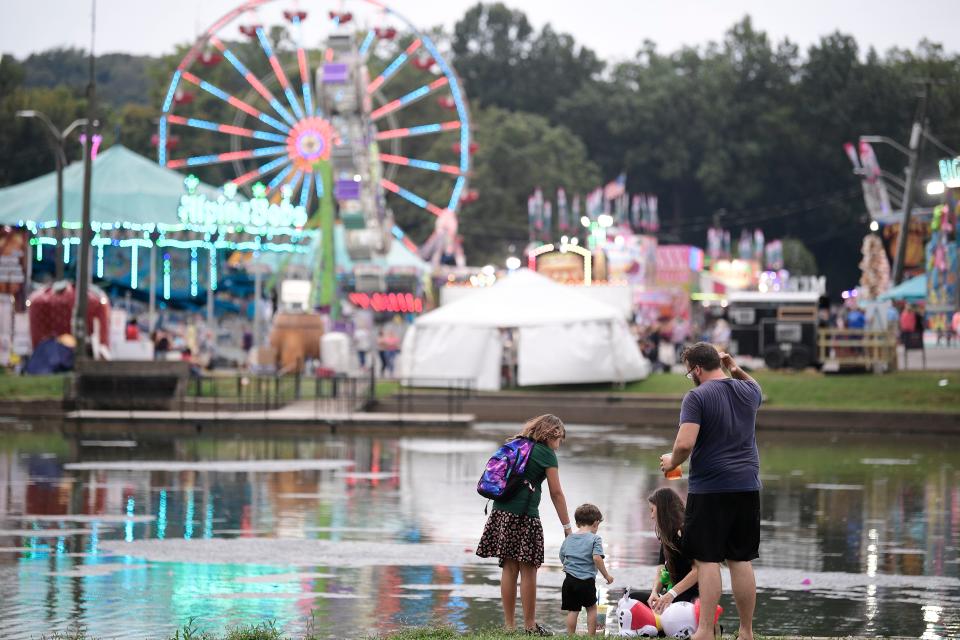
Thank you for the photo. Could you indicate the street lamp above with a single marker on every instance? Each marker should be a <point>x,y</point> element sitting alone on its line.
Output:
<point>57,141</point>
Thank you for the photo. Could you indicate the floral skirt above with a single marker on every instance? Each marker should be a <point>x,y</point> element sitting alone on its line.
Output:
<point>510,536</point>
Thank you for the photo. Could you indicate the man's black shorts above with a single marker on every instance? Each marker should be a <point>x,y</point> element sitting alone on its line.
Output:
<point>722,526</point>
<point>577,593</point>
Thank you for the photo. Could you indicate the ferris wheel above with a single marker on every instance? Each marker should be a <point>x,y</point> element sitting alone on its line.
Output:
<point>271,117</point>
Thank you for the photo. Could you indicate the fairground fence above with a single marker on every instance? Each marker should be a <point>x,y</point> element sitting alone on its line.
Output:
<point>112,387</point>
<point>323,396</point>
<point>271,392</point>
<point>857,349</point>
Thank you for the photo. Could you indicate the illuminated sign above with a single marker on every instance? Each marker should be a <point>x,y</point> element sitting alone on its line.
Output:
<point>196,209</point>
<point>950,172</point>
<point>388,302</point>
<point>735,274</point>
<point>535,258</point>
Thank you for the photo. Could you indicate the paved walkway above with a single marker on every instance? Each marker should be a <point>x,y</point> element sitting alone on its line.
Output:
<point>304,413</point>
<point>938,357</point>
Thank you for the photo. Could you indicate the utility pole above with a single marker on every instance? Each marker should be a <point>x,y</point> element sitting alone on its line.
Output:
<point>86,233</point>
<point>917,136</point>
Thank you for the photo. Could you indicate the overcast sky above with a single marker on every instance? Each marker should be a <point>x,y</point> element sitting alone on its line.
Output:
<point>614,28</point>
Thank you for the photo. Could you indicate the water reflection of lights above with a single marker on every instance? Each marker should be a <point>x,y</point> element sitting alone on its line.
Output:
<point>128,528</point>
<point>837,541</point>
<point>93,543</point>
<point>872,604</point>
<point>162,516</point>
<point>188,517</point>
<point>931,615</point>
<point>208,520</point>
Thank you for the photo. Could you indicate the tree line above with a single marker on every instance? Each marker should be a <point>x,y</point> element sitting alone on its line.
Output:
<point>744,132</point>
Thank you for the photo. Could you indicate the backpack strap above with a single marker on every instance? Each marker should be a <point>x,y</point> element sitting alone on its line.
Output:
<point>530,493</point>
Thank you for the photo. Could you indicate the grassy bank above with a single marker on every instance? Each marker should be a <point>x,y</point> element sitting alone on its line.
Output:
<point>50,387</point>
<point>447,634</point>
<point>14,387</point>
<point>900,391</point>
<point>268,631</point>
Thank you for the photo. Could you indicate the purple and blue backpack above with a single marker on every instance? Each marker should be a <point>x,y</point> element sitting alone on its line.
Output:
<point>503,475</point>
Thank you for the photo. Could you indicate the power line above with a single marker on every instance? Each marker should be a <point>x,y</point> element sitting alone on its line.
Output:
<point>754,216</point>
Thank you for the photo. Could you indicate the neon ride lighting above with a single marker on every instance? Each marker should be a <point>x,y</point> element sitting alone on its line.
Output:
<point>387,302</point>
<point>564,248</point>
<point>950,172</point>
<point>421,130</point>
<point>196,209</point>
<point>309,141</point>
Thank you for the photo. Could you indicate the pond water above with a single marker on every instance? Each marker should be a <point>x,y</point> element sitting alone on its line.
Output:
<point>357,535</point>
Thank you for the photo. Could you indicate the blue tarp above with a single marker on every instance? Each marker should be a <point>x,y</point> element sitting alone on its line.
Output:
<point>49,357</point>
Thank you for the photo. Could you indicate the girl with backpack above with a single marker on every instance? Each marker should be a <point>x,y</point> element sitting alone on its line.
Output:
<point>513,532</point>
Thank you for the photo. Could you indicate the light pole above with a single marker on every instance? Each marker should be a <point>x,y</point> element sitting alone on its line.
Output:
<point>57,141</point>
<point>86,233</point>
<point>917,135</point>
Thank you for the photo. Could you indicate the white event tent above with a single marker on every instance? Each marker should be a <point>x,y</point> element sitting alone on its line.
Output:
<point>563,337</point>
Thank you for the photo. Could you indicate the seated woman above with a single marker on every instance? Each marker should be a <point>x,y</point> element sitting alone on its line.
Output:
<point>676,577</point>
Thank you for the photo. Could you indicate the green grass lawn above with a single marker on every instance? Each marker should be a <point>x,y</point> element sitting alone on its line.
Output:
<point>900,391</point>
<point>14,387</point>
<point>447,634</point>
<point>268,631</point>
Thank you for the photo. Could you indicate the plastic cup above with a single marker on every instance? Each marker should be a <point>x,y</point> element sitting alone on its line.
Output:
<point>674,474</point>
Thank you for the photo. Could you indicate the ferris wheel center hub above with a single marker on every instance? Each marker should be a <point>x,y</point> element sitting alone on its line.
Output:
<point>308,142</point>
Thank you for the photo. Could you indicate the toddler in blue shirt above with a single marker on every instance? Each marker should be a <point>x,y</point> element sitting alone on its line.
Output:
<point>582,556</point>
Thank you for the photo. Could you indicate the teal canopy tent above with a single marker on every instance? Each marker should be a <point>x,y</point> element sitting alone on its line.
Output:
<point>133,197</point>
<point>912,290</point>
<point>126,188</point>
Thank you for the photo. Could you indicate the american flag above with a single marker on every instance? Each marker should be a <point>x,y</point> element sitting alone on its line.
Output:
<point>615,188</point>
<point>563,219</point>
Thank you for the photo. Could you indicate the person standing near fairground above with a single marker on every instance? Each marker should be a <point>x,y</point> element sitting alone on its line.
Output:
<point>718,421</point>
<point>514,533</point>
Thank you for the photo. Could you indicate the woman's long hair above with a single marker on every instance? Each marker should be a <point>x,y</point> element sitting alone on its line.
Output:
<point>669,523</point>
<point>543,428</point>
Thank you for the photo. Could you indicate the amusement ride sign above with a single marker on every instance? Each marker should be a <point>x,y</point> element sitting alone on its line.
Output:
<point>950,172</point>
<point>197,209</point>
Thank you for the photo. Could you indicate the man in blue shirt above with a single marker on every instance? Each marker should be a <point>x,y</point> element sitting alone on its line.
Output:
<point>722,522</point>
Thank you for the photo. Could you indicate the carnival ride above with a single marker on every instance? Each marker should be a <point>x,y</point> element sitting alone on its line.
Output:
<point>309,121</point>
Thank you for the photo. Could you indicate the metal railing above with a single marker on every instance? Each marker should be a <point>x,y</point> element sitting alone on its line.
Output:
<point>455,392</point>
<point>312,396</point>
<point>291,395</point>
